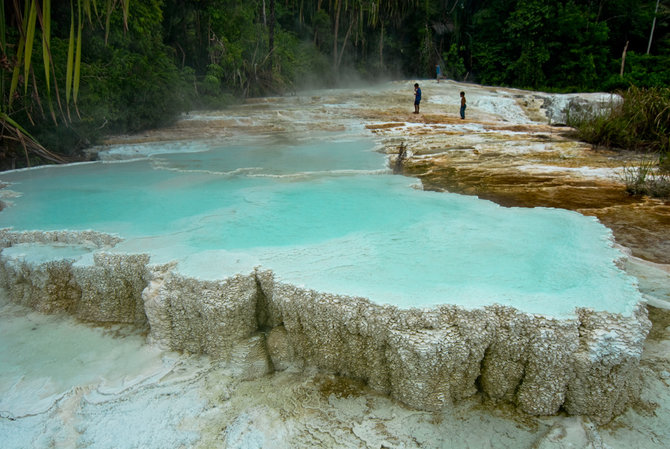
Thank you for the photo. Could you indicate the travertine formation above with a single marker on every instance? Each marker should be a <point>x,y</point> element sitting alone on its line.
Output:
<point>426,358</point>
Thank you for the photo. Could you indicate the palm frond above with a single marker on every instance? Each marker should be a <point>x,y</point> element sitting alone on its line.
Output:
<point>30,37</point>
<point>46,42</point>
<point>14,131</point>
<point>70,61</point>
<point>77,60</point>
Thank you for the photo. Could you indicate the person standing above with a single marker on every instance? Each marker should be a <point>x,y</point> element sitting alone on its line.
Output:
<point>463,105</point>
<point>438,73</point>
<point>417,97</point>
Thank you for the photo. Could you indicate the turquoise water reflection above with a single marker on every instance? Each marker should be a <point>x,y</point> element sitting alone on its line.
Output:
<point>327,215</point>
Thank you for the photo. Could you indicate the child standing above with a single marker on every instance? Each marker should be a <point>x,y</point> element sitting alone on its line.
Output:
<point>417,97</point>
<point>463,105</point>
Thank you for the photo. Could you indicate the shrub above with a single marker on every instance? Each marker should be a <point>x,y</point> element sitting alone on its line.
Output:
<point>640,122</point>
<point>646,179</point>
<point>635,177</point>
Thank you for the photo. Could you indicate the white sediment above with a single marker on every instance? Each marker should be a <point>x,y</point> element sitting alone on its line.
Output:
<point>426,358</point>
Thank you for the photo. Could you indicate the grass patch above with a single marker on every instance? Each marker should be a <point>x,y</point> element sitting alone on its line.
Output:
<point>647,178</point>
<point>639,121</point>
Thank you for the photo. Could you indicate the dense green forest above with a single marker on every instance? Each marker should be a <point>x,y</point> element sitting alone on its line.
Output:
<point>115,66</point>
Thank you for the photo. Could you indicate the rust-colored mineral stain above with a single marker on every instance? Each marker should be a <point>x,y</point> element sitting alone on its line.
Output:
<point>643,227</point>
<point>340,387</point>
<point>384,125</point>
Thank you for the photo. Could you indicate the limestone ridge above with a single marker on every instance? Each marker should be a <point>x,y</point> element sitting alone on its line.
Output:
<point>426,358</point>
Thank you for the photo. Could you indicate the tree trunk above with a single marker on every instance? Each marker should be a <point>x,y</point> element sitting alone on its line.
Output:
<point>344,43</point>
<point>381,48</point>
<point>265,19</point>
<point>338,7</point>
<point>271,33</point>
<point>653,25</point>
<point>623,59</point>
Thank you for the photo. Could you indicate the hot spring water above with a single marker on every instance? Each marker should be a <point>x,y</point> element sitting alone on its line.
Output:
<point>323,215</point>
<point>328,216</point>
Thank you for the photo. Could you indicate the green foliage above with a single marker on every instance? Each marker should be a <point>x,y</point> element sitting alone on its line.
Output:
<point>546,45</point>
<point>639,122</point>
<point>577,46</point>
<point>597,127</point>
<point>140,91</point>
<point>490,53</point>
<point>646,115</point>
<point>454,64</point>
<point>142,67</point>
<point>647,178</point>
<point>526,27</point>
<point>323,34</point>
<point>641,70</point>
<point>126,84</point>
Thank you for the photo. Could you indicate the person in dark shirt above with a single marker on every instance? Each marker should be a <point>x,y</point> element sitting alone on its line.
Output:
<point>463,105</point>
<point>417,97</point>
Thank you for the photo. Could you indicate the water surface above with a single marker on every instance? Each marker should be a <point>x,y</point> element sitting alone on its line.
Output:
<point>326,214</point>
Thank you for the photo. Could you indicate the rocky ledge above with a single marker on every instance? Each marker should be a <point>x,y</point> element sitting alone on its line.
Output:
<point>426,358</point>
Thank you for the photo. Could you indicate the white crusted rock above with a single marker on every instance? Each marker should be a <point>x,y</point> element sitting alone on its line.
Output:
<point>46,287</point>
<point>548,370</point>
<point>205,317</point>
<point>249,358</point>
<point>426,358</point>
<point>606,365</point>
<point>279,348</point>
<point>111,289</point>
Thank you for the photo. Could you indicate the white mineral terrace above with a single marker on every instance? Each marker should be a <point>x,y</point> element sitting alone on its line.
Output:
<point>275,230</point>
